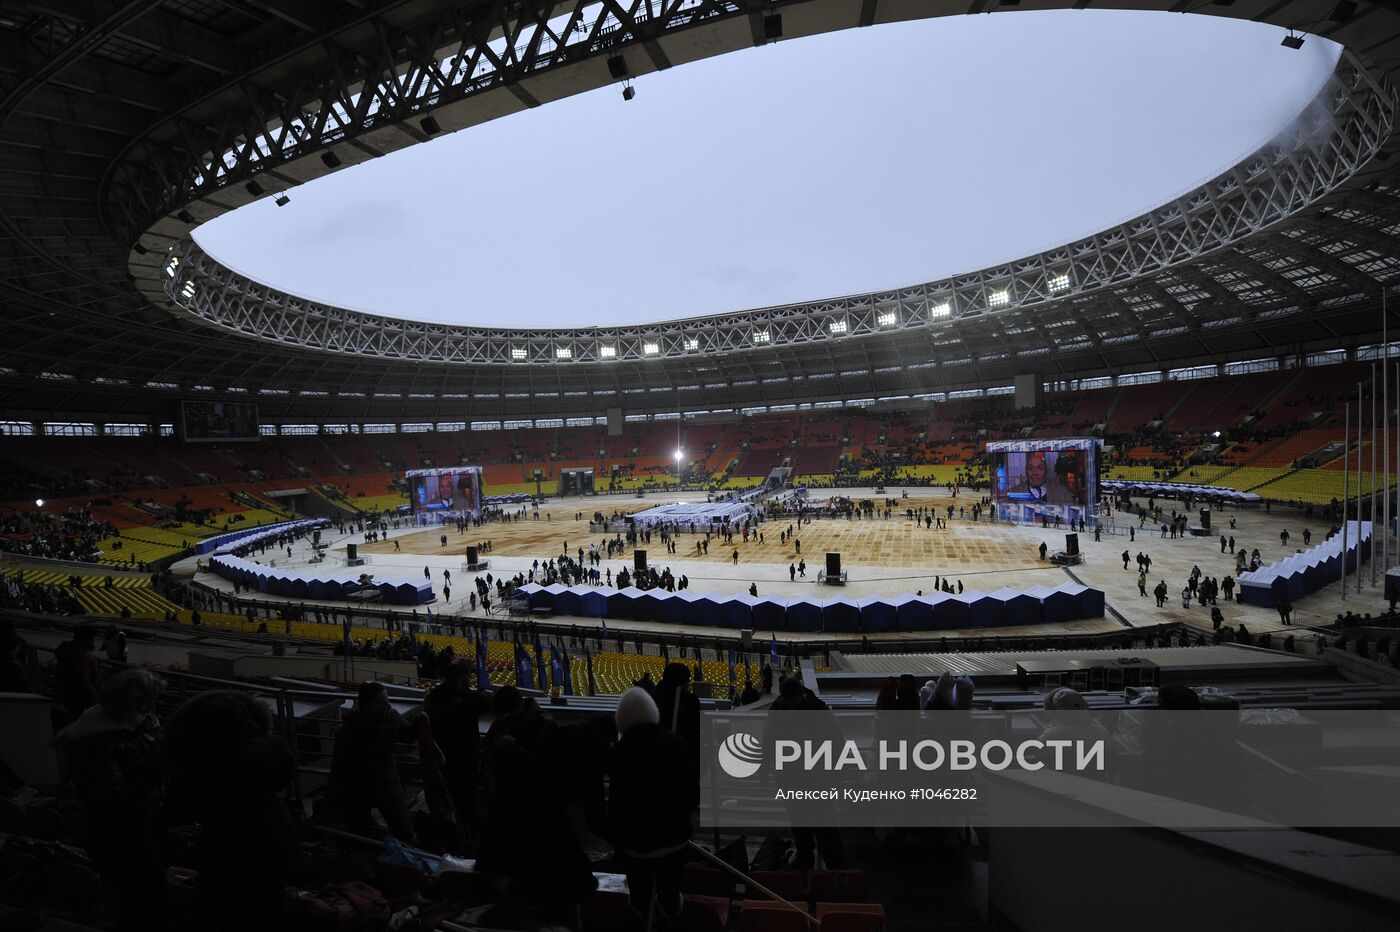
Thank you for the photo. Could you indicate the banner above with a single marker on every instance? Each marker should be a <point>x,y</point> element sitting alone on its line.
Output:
<point>1122,768</point>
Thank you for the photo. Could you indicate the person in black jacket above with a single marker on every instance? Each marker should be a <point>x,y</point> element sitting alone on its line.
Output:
<point>794,697</point>
<point>228,771</point>
<point>680,714</point>
<point>363,774</point>
<point>649,803</point>
<point>111,757</point>
<point>454,711</point>
<point>526,837</point>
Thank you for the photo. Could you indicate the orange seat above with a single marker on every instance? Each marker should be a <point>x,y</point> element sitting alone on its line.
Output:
<point>836,886</point>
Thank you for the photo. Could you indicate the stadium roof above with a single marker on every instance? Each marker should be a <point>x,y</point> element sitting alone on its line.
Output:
<point>122,126</point>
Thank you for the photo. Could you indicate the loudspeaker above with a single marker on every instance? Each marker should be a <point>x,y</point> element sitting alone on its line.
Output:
<point>1205,518</point>
<point>833,565</point>
<point>1072,545</point>
<point>315,537</point>
<point>746,639</point>
<point>352,552</point>
<point>471,556</point>
<point>639,560</point>
<point>773,26</point>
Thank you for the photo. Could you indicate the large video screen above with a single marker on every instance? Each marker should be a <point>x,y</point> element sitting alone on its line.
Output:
<point>445,491</point>
<point>219,421</point>
<point>1037,479</point>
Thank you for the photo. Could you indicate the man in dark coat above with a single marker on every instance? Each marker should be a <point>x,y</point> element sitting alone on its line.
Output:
<point>649,803</point>
<point>680,714</point>
<point>526,837</point>
<point>794,697</point>
<point>454,711</point>
<point>79,675</point>
<point>228,771</point>
<point>363,773</point>
<point>111,757</point>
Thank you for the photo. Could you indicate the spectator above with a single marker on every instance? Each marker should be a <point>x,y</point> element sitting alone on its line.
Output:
<point>526,839</point>
<point>79,676</point>
<point>111,756</point>
<point>794,697</point>
<point>649,810</point>
<point>13,677</point>
<point>363,774</point>
<point>680,714</point>
<point>228,769</point>
<point>454,712</point>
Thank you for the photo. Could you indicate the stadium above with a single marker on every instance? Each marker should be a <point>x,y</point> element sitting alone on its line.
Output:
<point>318,617</point>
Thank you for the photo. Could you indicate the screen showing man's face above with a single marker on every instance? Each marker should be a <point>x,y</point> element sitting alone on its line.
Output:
<point>1035,472</point>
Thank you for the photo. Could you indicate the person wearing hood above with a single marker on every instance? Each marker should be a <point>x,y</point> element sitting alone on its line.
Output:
<point>228,771</point>
<point>649,809</point>
<point>111,756</point>
<point>79,676</point>
<point>680,715</point>
<point>363,774</point>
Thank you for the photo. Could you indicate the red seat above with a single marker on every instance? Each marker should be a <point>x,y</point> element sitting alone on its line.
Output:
<point>771,916</point>
<point>836,886</point>
<point>704,913</point>
<point>851,917</point>
<point>786,884</point>
<point>606,911</point>
<point>706,881</point>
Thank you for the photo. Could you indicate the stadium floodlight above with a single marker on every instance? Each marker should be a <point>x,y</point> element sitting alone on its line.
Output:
<point>607,352</point>
<point>172,267</point>
<point>838,326</point>
<point>282,200</point>
<point>517,353</point>
<point>692,343</point>
<point>761,336</point>
<point>1059,282</point>
<point>999,298</point>
<point>1216,434</point>
<point>38,503</point>
<point>651,349</point>
<point>1291,41</point>
<point>563,352</point>
<point>941,310</point>
<point>188,289</point>
<point>680,455</point>
<point>888,319</point>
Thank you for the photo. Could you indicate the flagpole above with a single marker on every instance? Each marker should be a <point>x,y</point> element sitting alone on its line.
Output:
<point>1373,480</point>
<point>1385,437</point>
<point>1355,584</point>
<point>1346,494</point>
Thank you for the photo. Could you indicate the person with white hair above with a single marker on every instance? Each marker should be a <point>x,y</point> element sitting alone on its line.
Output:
<point>649,810</point>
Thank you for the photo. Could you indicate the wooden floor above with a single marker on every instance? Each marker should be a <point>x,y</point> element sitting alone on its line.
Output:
<point>896,542</point>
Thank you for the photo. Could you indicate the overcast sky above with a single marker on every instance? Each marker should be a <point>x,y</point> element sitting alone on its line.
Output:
<point>845,163</point>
